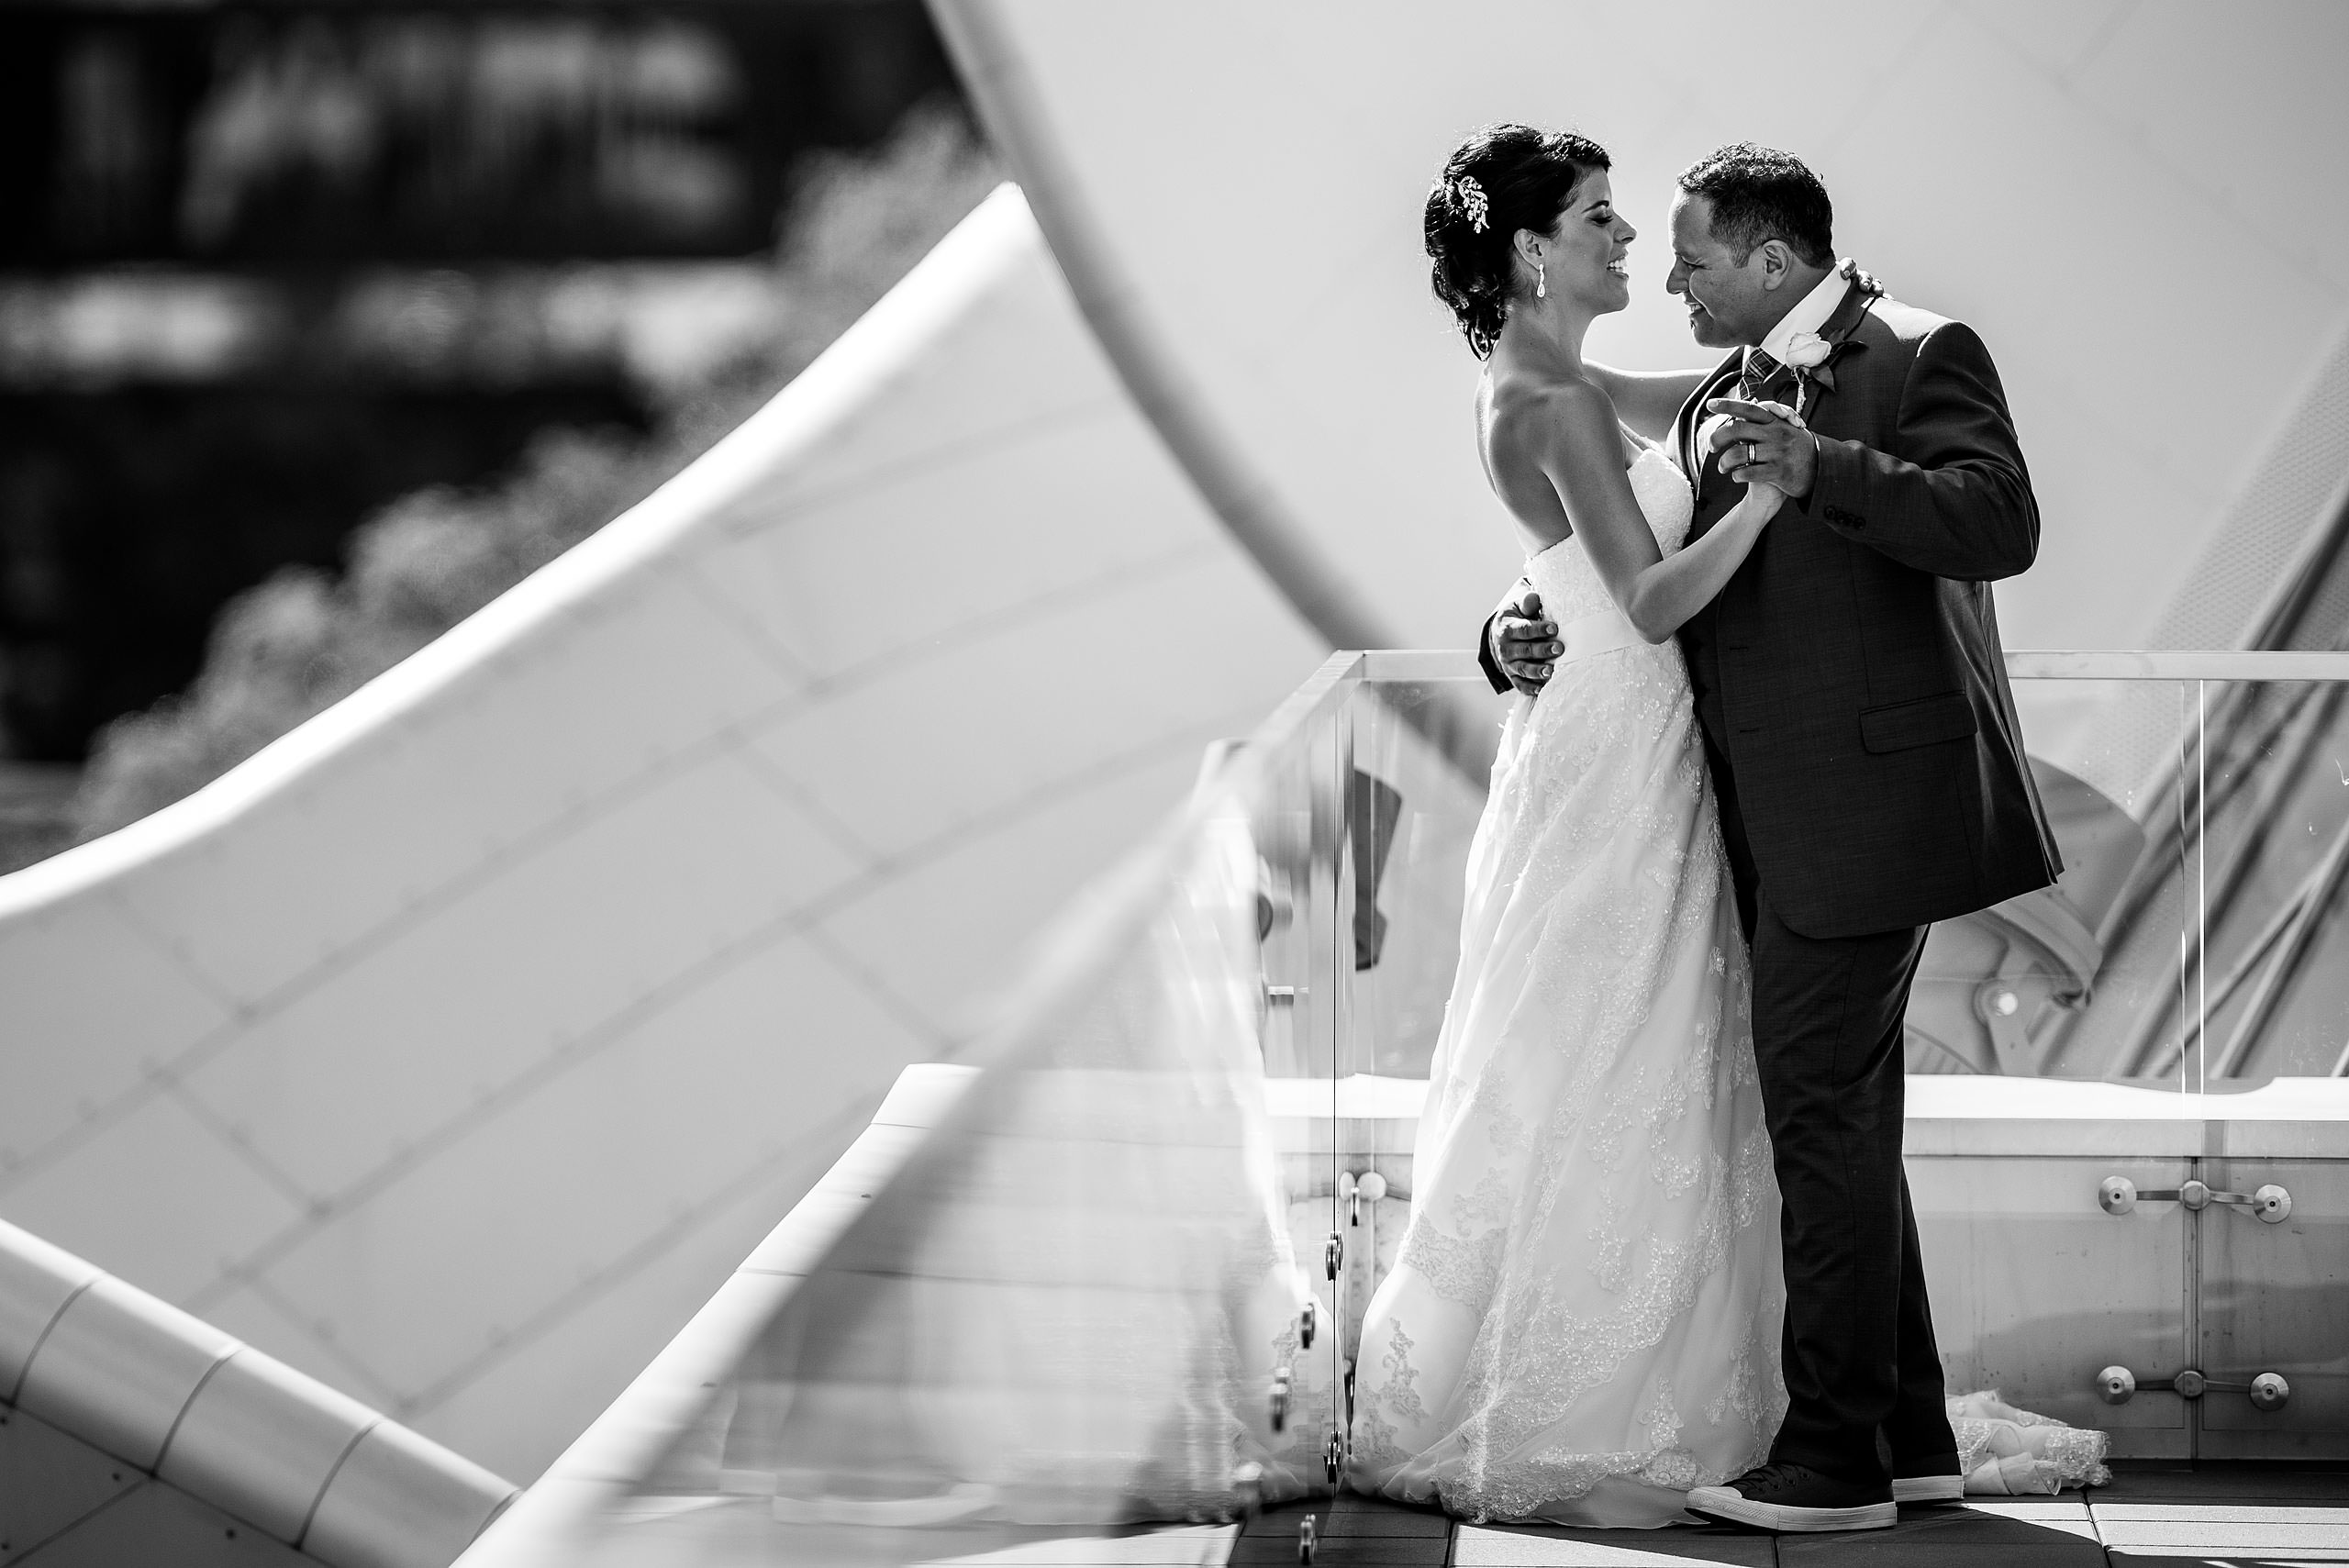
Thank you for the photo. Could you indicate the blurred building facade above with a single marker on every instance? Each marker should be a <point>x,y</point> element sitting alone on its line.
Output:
<point>270,267</point>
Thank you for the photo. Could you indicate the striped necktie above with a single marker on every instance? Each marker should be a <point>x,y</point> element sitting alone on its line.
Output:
<point>1759,368</point>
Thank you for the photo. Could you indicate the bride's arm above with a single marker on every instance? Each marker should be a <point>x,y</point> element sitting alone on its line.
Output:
<point>1583,459</point>
<point>1648,401</point>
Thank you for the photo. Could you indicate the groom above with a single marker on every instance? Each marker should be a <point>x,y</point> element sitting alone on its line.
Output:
<point>1865,751</point>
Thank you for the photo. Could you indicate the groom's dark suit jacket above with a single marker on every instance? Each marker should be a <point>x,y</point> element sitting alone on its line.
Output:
<point>1850,673</point>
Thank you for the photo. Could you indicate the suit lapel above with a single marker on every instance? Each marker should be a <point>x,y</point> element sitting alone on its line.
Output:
<point>1692,414</point>
<point>1839,323</point>
<point>1839,329</point>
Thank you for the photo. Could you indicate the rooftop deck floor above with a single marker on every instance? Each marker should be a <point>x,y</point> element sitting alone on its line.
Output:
<point>2255,1515</point>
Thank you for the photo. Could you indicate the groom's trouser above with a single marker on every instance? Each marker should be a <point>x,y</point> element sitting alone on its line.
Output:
<point>1859,1351</point>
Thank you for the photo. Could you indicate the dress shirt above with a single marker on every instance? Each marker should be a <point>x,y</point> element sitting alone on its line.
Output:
<point>1809,314</point>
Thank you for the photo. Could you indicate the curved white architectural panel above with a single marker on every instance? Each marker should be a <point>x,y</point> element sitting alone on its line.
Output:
<point>117,1380</point>
<point>2121,197</point>
<point>456,1046</point>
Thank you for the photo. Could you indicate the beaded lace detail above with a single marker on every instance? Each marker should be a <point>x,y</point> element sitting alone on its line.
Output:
<point>1583,1319</point>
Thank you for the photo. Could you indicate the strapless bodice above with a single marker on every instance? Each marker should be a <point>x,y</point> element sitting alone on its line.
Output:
<point>1569,584</point>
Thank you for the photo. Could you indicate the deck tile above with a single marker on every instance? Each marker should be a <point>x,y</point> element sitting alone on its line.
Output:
<point>2259,1513</point>
<point>2156,1515</point>
<point>1555,1546</point>
<point>1349,1515</point>
<point>1891,1549</point>
<point>1180,1546</point>
<point>1344,1551</point>
<point>2219,1533</point>
<point>1945,1538</point>
<point>2039,1510</point>
<point>1966,1527</point>
<point>2246,1481</point>
<point>2071,1518</point>
<point>2202,1557</point>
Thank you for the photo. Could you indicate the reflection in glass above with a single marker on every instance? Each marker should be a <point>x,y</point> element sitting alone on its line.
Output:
<point>2217,950</point>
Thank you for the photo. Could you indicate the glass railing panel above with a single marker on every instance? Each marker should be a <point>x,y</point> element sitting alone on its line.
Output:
<point>1422,756</point>
<point>2087,979</point>
<point>2220,953</point>
<point>2271,1304</point>
<point>1416,756</point>
<point>2035,1289</point>
<point>1067,1311</point>
<point>1094,1294</point>
<point>2197,934</point>
<point>2274,817</point>
<point>1287,789</point>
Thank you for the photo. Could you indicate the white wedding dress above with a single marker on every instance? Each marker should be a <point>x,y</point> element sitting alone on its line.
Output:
<point>1583,1319</point>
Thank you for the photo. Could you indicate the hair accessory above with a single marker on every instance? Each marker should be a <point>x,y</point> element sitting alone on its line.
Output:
<point>1469,196</point>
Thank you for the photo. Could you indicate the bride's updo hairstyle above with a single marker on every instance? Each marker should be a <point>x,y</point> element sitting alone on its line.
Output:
<point>1502,179</point>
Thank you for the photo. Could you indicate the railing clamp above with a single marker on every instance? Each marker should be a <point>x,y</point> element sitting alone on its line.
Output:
<point>2271,1204</point>
<point>2268,1390</point>
<point>1248,1488</point>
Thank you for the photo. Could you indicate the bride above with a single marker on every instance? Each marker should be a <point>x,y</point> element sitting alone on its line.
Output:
<point>1583,1319</point>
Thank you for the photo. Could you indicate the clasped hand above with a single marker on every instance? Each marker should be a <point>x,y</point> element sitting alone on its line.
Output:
<point>1524,641</point>
<point>1761,443</point>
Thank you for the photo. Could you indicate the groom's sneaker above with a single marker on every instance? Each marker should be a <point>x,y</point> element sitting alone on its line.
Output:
<point>1935,1480</point>
<point>1786,1496</point>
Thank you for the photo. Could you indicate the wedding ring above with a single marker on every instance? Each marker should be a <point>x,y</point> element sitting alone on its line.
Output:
<point>1749,455</point>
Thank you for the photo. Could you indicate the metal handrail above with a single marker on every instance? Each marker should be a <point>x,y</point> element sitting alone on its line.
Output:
<point>1426,664</point>
<point>2175,664</point>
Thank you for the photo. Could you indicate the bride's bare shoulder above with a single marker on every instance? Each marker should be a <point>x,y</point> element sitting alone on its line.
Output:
<point>1547,413</point>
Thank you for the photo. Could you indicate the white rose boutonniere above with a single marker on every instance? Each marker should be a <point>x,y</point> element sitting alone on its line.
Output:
<point>1806,351</point>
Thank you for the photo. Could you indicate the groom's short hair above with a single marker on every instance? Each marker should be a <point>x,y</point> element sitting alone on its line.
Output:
<point>1760,193</point>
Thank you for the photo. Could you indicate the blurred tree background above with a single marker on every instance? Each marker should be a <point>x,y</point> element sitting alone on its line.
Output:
<point>337,320</point>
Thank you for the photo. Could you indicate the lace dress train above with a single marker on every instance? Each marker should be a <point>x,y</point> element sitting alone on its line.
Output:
<point>1583,1319</point>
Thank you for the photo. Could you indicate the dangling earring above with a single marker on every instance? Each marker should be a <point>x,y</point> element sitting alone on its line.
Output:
<point>1541,280</point>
